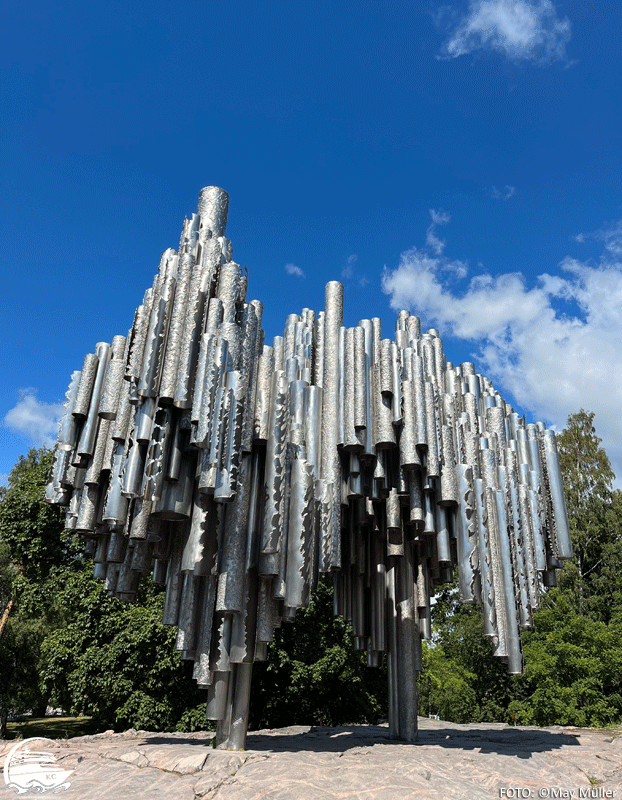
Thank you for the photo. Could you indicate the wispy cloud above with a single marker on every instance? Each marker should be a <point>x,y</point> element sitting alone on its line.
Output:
<point>34,420</point>
<point>503,194</point>
<point>520,29</point>
<point>350,273</point>
<point>292,269</point>
<point>610,235</point>
<point>348,270</point>
<point>433,242</point>
<point>440,217</point>
<point>553,363</point>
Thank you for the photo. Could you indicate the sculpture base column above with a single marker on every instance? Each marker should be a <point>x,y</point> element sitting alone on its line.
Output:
<point>231,731</point>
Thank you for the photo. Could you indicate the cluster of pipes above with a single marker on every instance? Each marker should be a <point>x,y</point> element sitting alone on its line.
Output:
<point>237,473</point>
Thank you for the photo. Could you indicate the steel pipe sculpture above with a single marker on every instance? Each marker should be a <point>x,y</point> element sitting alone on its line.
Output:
<point>237,472</point>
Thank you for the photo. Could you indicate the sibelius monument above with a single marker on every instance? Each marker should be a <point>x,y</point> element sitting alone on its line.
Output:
<point>237,472</point>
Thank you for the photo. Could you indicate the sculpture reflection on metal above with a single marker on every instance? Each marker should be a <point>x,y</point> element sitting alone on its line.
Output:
<point>237,472</point>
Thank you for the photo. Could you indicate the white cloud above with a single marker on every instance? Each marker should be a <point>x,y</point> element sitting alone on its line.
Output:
<point>553,363</point>
<point>440,217</point>
<point>432,241</point>
<point>520,29</point>
<point>292,269</point>
<point>350,273</point>
<point>503,194</point>
<point>4,478</point>
<point>36,421</point>
<point>348,270</point>
<point>610,235</point>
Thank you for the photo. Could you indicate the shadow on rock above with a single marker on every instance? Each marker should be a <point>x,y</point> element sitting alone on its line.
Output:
<point>515,742</point>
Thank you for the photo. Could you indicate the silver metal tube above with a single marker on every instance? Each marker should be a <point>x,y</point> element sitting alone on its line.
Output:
<point>109,402</point>
<point>514,653</point>
<point>360,380</point>
<point>179,310</point>
<point>252,346</point>
<point>175,501</point>
<point>382,426</point>
<point>212,208</point>
<point>341,380</point>
<point>89,430</point>
<point>467,536</point>
<point>123,418</point>
<point>396,380</point>
<point>68,427</point>
<point>449,483</point>
<point>330,465</point>
<point>420,402</point>
<point>93,472</point>
<point>232,562</point>
<point>188,610</point>
<point>199,295</point>
<point>275,467</point>
<point>409,455</point>
<point>300,534</point>
<point>157,331</point>
<point>138,336</point>
<point>407,636</point>
<point>84,389</point>
<point>201,672</point>
<point>350,438</point>
<point>556,489</point>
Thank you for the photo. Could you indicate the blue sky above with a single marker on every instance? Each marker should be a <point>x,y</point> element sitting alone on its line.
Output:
<point>462,160</point>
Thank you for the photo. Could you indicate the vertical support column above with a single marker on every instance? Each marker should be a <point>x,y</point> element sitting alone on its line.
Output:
<point>331,467</point>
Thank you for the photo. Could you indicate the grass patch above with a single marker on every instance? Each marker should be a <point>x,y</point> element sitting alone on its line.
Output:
<point>52,727</point>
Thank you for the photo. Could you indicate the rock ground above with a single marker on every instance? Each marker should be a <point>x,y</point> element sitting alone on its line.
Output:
<point>356,762</point>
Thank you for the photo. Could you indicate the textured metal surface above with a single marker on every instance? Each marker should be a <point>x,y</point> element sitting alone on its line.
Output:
<point>239,472</point>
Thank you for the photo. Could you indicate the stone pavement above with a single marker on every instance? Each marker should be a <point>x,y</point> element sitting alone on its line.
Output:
<point>356,762</point>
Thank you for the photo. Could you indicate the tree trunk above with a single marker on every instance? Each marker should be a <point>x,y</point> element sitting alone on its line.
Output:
<point>3,718</point>
<point>6,615</point>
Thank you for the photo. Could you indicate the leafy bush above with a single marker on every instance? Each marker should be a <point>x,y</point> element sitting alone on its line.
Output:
<point>314,675</point>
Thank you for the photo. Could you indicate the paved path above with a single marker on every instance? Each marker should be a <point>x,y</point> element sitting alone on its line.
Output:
<point>359,762</point>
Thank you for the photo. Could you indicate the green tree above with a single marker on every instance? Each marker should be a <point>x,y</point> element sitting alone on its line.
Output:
<point>33,529</point>
<point>117,662</point>
<point>65,638</point>
<point>19,647</point>
<point>314,675</point>
<point>467,660</point>
<point>445,687</point>
<point>573,670</point>
<point>30,540</point>
<point>594,577</point>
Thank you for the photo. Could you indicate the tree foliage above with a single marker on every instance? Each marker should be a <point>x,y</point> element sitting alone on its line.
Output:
<point>446,687</point>
<point>116,662</point>
<point>573,671</point>
<point>33,529</point>
<point>594,578</point>
<point>19,646</point>
<point>314,675</point>
<point>465,663</point>
<point>67,641</point>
